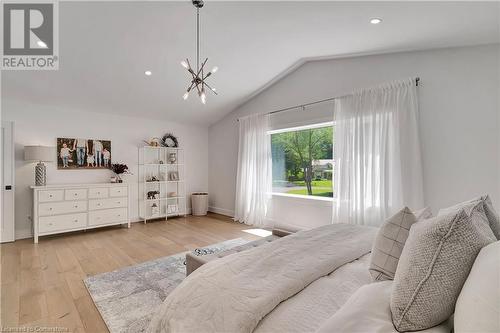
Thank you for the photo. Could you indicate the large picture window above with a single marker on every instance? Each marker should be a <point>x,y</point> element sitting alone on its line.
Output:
<point>303,160</point>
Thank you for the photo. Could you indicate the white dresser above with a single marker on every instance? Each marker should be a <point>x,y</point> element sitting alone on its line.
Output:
<point>63,208</point>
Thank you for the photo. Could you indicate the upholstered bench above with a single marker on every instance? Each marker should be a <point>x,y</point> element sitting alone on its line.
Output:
<point>194,261</point>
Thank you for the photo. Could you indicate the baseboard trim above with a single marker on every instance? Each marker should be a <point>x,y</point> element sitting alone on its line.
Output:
<point>221,211</point>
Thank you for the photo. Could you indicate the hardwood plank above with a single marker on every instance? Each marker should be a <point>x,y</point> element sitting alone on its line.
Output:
<point>42,284</point>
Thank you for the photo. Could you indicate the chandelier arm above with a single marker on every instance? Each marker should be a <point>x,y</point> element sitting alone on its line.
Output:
<point>202,65</point>
<point>193,74</point>
<point>212,89</point>
<point>189,69</point>
<point>190,87</point>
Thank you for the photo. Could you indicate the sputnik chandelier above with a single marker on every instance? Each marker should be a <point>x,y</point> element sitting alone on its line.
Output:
<point>198,78</point>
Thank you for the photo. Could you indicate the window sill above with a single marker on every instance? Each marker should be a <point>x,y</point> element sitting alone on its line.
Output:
<point>306,197</point>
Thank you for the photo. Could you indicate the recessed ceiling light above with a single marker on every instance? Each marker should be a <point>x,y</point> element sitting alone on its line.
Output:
<point>148,73</point>
<point>375,20</point>
<point>41,44</point>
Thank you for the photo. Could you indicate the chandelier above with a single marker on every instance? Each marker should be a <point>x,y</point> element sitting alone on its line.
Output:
<point>198,78</point>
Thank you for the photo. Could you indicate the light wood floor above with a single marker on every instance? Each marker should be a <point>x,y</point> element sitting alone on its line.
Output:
<point>41,284</point>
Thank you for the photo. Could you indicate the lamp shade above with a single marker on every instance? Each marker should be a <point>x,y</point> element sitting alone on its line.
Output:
<point>38,153</point>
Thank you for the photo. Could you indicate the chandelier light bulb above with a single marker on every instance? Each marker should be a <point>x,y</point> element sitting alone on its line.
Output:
<point>215,69</point>
<point>203,98</point>
<point>185,96</point>
<point>184,64</point>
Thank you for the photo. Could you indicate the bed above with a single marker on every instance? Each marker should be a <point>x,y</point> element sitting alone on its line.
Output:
<point>293,284</point>
<point>311,281</point>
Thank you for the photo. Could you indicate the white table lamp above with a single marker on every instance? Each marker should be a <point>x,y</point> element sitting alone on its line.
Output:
<point>39,154</point>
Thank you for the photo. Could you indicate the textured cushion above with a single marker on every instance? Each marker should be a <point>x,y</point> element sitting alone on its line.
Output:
<point>368,310</point>
<point>478,306</point>
<point>490,212</point>
<point>390,240</point>
<point>389,243</point>
<point>434,265</point>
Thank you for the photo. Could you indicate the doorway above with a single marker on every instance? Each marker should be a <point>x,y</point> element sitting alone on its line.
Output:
<point>7,230</point>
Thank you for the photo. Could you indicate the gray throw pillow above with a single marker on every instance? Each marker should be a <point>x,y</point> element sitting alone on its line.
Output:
<point>491,214</point>
<point>389,243</point>
<point>434,265</point>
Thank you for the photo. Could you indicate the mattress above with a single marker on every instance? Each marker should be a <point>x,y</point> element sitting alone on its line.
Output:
<point>307,310</point>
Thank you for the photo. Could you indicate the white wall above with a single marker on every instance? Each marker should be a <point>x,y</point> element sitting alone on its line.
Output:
<point>42,124</point>
<point>459,123</point>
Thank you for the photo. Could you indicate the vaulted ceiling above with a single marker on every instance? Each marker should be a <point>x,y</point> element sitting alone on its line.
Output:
<point>105,48</point>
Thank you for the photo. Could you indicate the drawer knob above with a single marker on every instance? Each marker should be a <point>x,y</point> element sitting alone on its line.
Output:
<point>75,194</point>
<point>75,221</point>
<point>76,206</point>
<point>50,195</point>
<point>98,204</point>
<point>98,192</point>
<point>50,208</point>
<point>50,224</point>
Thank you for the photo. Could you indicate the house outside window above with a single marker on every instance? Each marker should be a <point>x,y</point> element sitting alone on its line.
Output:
<point>303,160</point>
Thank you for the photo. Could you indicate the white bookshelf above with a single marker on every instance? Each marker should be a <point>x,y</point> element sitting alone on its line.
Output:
<point>169,193</point>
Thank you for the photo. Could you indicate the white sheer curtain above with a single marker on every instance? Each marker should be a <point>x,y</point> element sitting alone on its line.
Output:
<point>254,180</point>
<point>378,167</point>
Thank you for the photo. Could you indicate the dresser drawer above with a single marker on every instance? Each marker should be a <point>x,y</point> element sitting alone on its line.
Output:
<point>99,192</point>
<point>62,222</point>
<point>66,207</point>
<point>75,194</point>
<point>118,192</point>
<point>107,203</point>
<point>51,195</point>
<point>107,216</point>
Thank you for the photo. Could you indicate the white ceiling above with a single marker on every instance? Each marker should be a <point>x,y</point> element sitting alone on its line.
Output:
<point>105,47</point>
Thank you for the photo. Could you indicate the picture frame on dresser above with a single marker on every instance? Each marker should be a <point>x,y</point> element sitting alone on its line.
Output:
<point>73,207</point>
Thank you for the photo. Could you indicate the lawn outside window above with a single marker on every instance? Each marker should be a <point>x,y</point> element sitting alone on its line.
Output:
<point>302,159</point>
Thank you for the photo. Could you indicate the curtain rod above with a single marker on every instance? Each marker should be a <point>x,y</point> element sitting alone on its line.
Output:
<point>303,106</point>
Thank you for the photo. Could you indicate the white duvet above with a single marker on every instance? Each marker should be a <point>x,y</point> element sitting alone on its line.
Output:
<point>234,293</point>
<point>306,311</point>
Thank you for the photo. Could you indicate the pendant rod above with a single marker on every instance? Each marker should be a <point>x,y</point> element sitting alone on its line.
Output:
<point>197,39</point>
<point>303,106</point>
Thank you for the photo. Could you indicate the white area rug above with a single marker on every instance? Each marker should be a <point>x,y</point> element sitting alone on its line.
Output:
<point>127,298</point>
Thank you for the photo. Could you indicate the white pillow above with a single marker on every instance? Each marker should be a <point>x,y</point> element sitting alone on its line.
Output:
<point>368,310</point>
<point>478,306</point>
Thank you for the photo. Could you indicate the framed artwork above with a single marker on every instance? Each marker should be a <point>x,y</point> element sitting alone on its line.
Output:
<point>77,153</point>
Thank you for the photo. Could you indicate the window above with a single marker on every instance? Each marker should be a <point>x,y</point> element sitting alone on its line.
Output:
<point>303,160</point>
